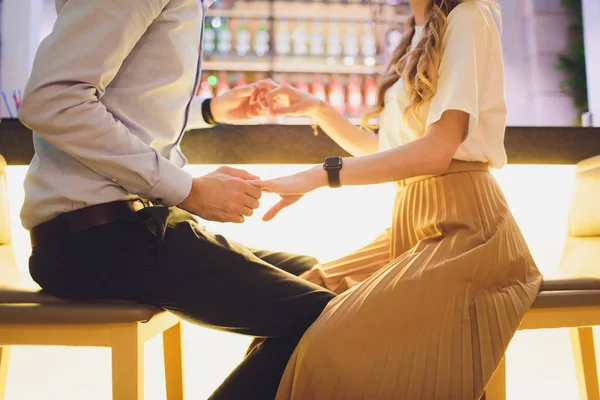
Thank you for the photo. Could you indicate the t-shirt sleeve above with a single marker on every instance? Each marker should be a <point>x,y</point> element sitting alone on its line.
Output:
<point>466,53</point>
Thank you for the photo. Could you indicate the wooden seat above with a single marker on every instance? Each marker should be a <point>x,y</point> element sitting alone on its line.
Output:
<point>573,300</point>
<point>29,317</point>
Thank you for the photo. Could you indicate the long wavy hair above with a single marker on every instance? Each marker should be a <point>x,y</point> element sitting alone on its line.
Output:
<point>419,67</point>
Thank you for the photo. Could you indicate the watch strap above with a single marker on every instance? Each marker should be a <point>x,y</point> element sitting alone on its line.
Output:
<point>333,176</point>
<point>207,113</point>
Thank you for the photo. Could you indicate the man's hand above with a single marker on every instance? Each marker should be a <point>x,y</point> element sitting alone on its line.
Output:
<point>242,103</point>
<point>223,195</point>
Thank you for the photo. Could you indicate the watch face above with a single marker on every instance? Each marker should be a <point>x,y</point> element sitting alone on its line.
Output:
<point>331,162</point>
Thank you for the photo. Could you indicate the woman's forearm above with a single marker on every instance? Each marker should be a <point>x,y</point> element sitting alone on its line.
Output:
<point>429,155</point>
<point>354,140</point>
<point>426,156</point>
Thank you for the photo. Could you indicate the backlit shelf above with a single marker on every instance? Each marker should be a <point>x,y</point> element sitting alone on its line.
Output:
<point>289,66</point>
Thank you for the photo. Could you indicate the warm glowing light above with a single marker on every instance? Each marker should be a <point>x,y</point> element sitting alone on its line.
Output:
<point>539,362</point>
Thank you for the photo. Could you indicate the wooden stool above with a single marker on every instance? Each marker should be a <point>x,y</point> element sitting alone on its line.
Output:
<point>29,317</point>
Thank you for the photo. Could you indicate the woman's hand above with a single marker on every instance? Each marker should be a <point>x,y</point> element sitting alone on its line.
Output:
<point>291,188</point>
<point>287,100</point>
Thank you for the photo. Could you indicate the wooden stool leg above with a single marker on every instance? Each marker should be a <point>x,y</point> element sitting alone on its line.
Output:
<point>127,363</point>
<point>4,355</point>
<point>496,389</point>
<point>582,340</point>
<point>173,362</point>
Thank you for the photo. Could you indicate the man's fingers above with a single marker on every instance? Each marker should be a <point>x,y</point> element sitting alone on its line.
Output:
<point>266,85</point>
<point>222,216</point>
<point>258,96</point>
<point>256,111</point>
<point>252,191</point>
<point>239,173</point>
<point>242,210</point>
<point>260,88</point>
<point>252,202</point>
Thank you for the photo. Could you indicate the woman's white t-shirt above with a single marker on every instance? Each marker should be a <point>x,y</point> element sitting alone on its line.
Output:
<point>471,79</point>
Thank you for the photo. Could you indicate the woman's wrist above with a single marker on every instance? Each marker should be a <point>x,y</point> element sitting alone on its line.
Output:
<point>318,110</point>
<point>317,176</point>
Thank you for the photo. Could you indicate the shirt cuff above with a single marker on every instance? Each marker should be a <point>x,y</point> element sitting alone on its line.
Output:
<point>195,119</point>
<point>173,187</point>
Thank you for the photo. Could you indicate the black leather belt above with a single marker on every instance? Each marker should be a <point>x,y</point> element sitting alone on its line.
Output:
<point>85,218</point>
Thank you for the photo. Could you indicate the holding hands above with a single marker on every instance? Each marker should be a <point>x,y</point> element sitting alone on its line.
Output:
<point>242,103</point>
<point>279,101</point>
<point>286,100</point>
<point>291,188</point>
<point>224,195</point>
<point>230,195</point>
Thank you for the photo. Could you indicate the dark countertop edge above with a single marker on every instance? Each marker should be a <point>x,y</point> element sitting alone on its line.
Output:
<point>296,144</point>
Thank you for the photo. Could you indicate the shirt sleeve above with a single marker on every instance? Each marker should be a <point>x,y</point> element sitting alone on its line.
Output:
<point>465,58</point>
<point>62,100</point>
<point>196,120</point>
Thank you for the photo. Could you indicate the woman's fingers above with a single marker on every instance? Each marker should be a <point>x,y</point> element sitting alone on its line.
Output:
<point>260,88</point>
<point>285,201</point>
<point>273,211</point>
<point>279,97</point>
<point>264,185</point>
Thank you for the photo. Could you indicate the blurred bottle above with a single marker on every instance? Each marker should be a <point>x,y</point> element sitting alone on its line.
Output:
<point>241,80</point>
<point>351,48</point>
<point>242,39</point>
<point>222,4</point>
<point>334,40</point>
<point>370,92</point>
<point>300,38</point>
<point>259,76</point>
<point>284,79</point>
<point>354,96</point>
<point>368,43</point>
<point>283,39</point>
<point>393,38</point>
<point>317,39</point>
<point>336,95</point>
<point>222,85</point>
<point>262,38</point>
<point>301,84</point>
<point>209,44</point>
<point>318,88</point>
<point>205,90</point>
<point>223,36</point>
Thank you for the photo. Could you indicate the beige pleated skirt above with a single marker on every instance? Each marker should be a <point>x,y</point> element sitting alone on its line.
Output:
<point>427,310</point>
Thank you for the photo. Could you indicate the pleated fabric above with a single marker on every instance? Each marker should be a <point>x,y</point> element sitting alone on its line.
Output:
<point>427,310</point>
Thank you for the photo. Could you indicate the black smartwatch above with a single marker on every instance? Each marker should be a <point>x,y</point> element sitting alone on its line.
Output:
<point>333,165</point>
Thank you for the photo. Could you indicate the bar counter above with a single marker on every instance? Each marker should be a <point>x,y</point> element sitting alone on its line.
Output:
<point>296,144</point>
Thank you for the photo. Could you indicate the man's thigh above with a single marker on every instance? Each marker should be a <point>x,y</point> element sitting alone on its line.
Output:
<point>210,280</point>
<point>295,264</point>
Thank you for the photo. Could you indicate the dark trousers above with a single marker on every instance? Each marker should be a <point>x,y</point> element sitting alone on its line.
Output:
<point>163,257</point>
